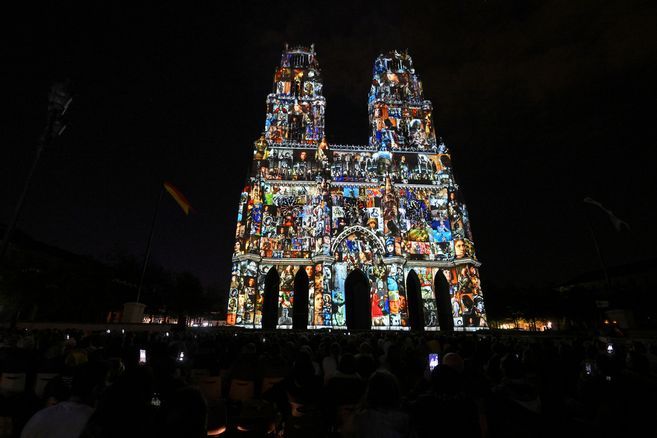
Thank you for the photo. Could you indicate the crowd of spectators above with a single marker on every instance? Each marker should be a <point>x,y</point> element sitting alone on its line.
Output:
<point>197,383</point>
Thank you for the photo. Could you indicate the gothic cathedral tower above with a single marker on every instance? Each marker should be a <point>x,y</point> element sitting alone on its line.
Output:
<point>373,236</point>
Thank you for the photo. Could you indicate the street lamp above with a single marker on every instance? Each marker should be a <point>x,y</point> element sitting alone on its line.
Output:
<point>59,100</point>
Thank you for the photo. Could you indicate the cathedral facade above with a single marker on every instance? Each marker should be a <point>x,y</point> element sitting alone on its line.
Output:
<point>352,237</point>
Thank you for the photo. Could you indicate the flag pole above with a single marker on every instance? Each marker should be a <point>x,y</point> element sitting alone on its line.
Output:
<point>150,241</point>
<point>603,265</point>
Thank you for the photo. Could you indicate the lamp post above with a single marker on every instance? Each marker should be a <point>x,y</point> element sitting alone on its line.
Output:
<point>59,100</point>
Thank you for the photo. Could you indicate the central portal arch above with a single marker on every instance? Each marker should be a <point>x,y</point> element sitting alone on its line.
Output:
<point>357,250</point>
<point>357,301</point>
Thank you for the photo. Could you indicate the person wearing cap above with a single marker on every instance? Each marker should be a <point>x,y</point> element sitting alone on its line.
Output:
<point>373,225</point>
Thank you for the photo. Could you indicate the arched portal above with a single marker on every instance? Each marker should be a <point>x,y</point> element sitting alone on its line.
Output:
<point>443,301</point>
<point>270,301</point>
<point>300,306</point>
<point>357,301</point>
<point>414,301</point>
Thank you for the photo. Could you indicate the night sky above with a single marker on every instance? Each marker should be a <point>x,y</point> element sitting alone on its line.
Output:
<point>541,102</point>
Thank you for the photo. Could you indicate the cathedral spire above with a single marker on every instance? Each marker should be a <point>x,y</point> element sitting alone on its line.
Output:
<point>400,118</point>
<point>295,108</point>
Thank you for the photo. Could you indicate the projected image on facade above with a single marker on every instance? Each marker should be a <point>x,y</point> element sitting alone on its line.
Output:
<point>342,236</point>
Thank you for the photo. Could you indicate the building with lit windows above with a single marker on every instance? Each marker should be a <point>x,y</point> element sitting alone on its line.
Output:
<point>342,236</point>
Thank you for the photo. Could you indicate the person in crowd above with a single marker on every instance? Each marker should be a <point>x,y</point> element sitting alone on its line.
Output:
<point>245,366</point>
<point>345,388</point>
<point>515,407</point>
<point>330,362</point>
<point>303,385</point>
<point>125,409</point>
<point>271,361</point>
<point>445,402</point>
<point>65,418</point>
<point>365,362</point>
<point>184,414</point>
<point>380,414</point>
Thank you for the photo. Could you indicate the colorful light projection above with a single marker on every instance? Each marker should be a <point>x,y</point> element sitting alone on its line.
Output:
<point>332,210</point>
<point>245,304</point>
<point>295,109</point>
<point>400,118</point>
<point>242,299</point>
<point>466,297</point>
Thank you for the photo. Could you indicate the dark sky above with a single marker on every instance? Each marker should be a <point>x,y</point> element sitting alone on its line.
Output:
<point>541,102</point>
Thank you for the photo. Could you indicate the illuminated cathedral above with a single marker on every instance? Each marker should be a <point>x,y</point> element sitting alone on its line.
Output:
<point>352,237</point>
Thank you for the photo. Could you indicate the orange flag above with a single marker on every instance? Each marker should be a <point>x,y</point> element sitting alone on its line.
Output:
<point>178,197</point>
